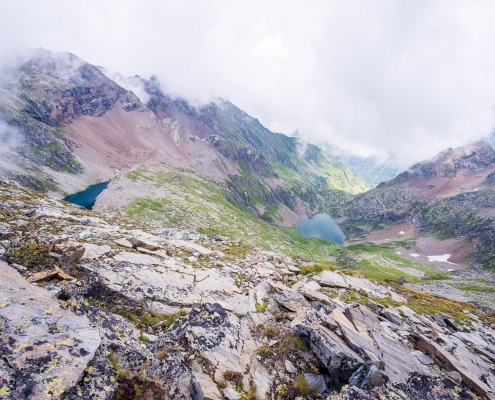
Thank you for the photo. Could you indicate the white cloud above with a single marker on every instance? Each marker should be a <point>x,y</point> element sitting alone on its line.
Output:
<point>410,77</point>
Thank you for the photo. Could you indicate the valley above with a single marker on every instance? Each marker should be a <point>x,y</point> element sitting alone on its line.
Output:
<point>188,278</point>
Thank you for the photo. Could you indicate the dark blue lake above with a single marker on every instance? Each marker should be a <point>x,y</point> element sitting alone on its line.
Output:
<point>87,197</point>
<point>321,226</point>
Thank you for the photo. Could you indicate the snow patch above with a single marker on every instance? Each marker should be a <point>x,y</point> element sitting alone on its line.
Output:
<point>441,258</point>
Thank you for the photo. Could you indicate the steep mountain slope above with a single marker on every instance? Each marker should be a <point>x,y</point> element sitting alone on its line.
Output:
<point>450,196</point>
<point>76,126</point>
<point>70,118</point>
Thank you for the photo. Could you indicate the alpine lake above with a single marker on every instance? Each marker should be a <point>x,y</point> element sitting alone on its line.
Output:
<point>87,197</point>
<point>321,226</point>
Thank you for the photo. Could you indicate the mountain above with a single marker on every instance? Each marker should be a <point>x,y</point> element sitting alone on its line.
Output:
<point>491,139</point>
<point>93,306</point>
<point>67,125</point>
<point>372,169</point>
<point>450,197</point>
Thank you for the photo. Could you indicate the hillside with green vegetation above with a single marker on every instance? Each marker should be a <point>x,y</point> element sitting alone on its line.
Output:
<point>184,199</point>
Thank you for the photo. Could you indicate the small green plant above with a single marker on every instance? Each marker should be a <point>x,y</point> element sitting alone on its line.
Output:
<point>114,360</point>
<point>163,353</point>
<point>181,313</point>
<point>222,385</point>
<point>283,391</point>
<point>138,390</point>
<point>298,342</point>
<point>144,339</point>
<point>261,307</point>
<point>262,351</point>
<point>303,387</point>
<point>316,269</point>
<point>279,315</point>
<point>125,374</point>
<point>251,394</point>
<point>31,255</point>
<point>142,369</point>
<point>271,331</point>
<point>229,375</point>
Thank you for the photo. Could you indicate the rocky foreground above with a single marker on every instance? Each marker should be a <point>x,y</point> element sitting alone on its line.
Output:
<point>94,308</point>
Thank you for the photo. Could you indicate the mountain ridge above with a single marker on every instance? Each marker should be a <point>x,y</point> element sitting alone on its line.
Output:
<point>86,124</point>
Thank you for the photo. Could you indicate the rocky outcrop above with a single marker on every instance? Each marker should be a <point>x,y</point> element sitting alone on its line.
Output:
<point>451,163</point>
<point>418,387</point>
<point>44,349</point>
<point>170,314</point>
<point>449,196</point>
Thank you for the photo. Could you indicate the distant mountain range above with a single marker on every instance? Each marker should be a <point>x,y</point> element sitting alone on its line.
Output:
<point>372,169</point>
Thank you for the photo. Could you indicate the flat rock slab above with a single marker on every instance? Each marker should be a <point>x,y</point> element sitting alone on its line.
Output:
<point>332,279</point>
<point>216,282</point>
<point>192,247</point>
<point>94,251</point>
<point>134,258</point>
<point>48,346</point>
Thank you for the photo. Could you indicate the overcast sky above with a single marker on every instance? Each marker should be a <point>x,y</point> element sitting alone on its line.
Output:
<point>410,77</point>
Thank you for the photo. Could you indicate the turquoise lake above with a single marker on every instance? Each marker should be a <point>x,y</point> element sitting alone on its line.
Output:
<point>321,226</point>
<point>87,197</point>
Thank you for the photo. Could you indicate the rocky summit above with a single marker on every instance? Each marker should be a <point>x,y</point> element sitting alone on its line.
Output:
<point>99,307</point>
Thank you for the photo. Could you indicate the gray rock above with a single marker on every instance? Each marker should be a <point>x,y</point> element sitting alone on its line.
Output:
<point>205,386</point>
<point>290,367</point>
<point>316,382</point>
<point>456,376</point>
<point>293,301</point>
<point>231,394</point>
<point>151,338</point>
<point>6,232</point>
<point>19,268</point>
<point>423,358</point>
<point>334,354</point>
<point>361,378</point>
<point>332,279</point>
<point>393,316</point>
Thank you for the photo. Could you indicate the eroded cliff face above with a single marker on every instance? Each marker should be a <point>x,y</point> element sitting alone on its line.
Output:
<point>98,307</point>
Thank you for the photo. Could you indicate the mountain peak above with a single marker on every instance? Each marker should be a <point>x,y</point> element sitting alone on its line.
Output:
<point>451,163</point>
